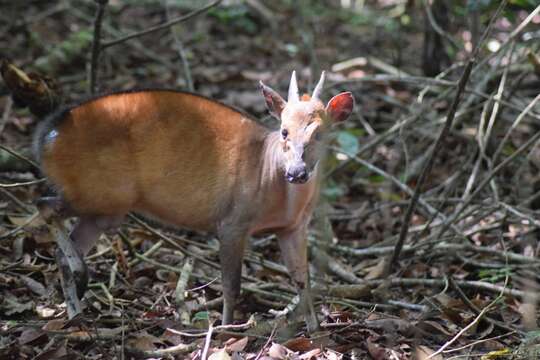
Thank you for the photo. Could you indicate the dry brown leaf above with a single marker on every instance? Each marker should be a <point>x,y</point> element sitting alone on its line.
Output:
<point>278,351</point>
<point>52,354</point>
<point>423,352</point>
<point>333,355</point>
<point>171,336</point>
<point>310,354</point>
<point>378,270</point>
<point>29,221</point>
<point>528,313</point>
<point>391,325</point>
<point>220,355</point>
<point>299,344</point>
<point>54,325</point>
<point>32,336</point>
<point>11,305</point>
<point>237,344</point>
<point>143,341</point>
<point>432,327</point>
<point>33,285</point>
<point>376,352</point>
<point>45,312</point>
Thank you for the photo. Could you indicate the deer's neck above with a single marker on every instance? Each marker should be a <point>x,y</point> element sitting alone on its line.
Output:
<point>284,203</point>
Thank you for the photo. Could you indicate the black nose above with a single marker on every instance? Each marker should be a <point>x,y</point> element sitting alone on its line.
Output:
<point>297,175</point>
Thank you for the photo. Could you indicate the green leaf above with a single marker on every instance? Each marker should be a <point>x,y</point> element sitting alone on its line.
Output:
<point>376,179</point>
<point>534,334</point>
<point>477,5</point>
<point>348,143</point>
<point>201,315</point>
<point>526,4</point>
<point>508,149</point>
<point>333,191</point>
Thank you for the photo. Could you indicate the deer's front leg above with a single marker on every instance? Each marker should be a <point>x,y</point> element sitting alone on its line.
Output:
<point>231,253</point>
<point>293,245</point>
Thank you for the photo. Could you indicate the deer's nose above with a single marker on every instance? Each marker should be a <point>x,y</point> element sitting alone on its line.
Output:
<point>297,174</point>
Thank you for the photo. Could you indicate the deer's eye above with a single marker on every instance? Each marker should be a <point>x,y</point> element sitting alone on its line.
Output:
<point>284,133</point>
<point>317,136</point>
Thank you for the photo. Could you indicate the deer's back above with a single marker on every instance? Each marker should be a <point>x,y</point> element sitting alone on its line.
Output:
<point>176,156</point>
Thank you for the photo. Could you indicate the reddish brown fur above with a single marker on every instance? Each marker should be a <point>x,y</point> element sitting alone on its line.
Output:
<point>176,156</point>
<point>194,163</point>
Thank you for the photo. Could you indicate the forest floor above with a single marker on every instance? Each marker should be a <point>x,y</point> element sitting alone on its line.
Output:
<point>466,282</point>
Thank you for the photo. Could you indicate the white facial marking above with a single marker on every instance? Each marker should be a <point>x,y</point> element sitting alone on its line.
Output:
<point>51,136</point>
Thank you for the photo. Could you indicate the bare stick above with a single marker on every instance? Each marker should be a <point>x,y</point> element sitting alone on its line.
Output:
<point>437,27</point>
<point>513,34</point>
<point>19,156</point>
<point>72,268</point>
<point>7,113</point>
<point>207,341</point>
<point>181,51</point>
<point>514,125</point>
<point>173,350</point>
<point>96,45</point>
<point>403,187</point>
<point>217,329</point>
<point>434,150</point>
<point>461,332</point>
<point>491,174</point>
<point>472,323</point>
<point>26,183</point>
<point>183,279</point>
<point>161,26</point>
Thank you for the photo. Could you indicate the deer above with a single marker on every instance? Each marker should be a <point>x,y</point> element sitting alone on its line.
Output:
<point>193,163</point>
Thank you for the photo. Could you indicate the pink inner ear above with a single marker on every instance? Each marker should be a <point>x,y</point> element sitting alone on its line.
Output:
<point>340,106</point>
<point>274,102</point>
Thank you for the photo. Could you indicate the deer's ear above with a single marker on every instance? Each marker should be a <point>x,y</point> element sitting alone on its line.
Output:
<point>340,106</point>
<point>274,102</point>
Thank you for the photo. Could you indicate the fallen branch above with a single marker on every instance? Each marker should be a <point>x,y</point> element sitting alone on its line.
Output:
<point>160,27</point>
<point>438,143</point>
<point>96,45</point>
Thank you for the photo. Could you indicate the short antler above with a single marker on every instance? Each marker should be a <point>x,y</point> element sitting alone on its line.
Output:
<point>293,89</point>
<point>318,89</point>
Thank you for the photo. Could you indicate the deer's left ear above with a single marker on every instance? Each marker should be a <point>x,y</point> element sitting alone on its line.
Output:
<point>274,102</point>
<point>340,106</point>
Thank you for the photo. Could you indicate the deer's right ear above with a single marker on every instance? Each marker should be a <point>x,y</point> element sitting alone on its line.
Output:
<point>274,102</point>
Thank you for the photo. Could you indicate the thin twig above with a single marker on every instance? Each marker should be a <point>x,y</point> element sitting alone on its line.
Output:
<point>514,125</point>
<point>181,51</point>
<point>92,87</point>
<point>6,114</point>
<point>461,332</point>
<point>20,227</point>
<point>19,156</point>
<point>436,147</point>
<point>26,183</point>
<point>486,180</point>
<point>207,341</point>
<point>437,27</point>
<point>512,35</point>
<point>16,200</point>
<point>475,309</point>
<point>403,187</point>
<point>472,323</point>
<point>165,25</point>
<point>447,248</point>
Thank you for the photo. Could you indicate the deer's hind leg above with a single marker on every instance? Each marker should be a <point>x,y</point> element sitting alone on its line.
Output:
<point>70,254</point>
